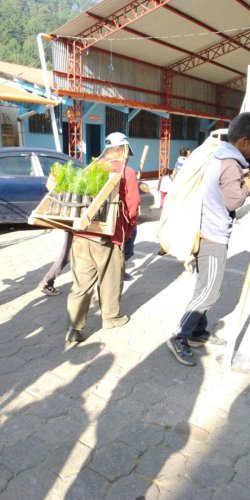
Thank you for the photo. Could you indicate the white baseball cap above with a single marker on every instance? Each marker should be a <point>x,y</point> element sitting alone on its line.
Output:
<point>117,139</point>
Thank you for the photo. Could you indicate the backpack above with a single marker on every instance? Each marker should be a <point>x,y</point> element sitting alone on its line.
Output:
<point>179,228</point>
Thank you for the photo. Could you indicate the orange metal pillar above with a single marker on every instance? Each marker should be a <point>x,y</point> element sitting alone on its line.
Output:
<point>165,123</point>
<point>165,133</point>
<point>75,111</point>
<point>75,130</point>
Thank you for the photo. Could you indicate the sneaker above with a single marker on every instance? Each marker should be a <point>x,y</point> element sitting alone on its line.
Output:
<point>127,277</point>
<point>161,252</point>
<point>74,336</point>
<point>115,322</point>
<point>200,340</point>
<point>181,351</point>
<point>50,290</point>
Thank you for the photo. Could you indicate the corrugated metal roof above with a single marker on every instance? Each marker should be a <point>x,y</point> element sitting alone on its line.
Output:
<point>24,73</point>
<point>182,28</point>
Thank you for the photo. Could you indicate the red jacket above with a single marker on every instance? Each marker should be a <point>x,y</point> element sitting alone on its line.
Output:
<point>129,207</point>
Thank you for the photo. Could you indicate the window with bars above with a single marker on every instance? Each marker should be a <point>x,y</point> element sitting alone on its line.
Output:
<point>144,125</point>
<point>41,123</point>
<point>177,128</point>
<point>184,127</point>
<point>191,128</point>
<point>115,121</point>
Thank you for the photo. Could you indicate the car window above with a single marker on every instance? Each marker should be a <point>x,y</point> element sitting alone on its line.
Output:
<point>16,165</point>
<point>47,162</point>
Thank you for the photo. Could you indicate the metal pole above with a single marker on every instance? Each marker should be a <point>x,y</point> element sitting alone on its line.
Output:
<point>48,91</point>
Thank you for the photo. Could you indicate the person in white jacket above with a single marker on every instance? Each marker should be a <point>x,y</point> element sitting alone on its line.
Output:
<point>224,189</point>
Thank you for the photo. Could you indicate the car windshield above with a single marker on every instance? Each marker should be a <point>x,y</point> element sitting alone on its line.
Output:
<point>47,162</point>
<point>17,165</point>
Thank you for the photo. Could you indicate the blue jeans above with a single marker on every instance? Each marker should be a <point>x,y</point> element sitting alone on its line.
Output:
<point>129,245</point>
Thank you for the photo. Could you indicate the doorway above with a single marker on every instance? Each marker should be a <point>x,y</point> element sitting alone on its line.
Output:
<point>93,141</point>
<point>65,131</point>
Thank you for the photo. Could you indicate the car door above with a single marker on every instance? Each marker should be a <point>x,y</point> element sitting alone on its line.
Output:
<point>21,186</point>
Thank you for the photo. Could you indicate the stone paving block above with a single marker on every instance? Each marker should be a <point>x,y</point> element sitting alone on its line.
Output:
<point>89,380</point>
<point>33,484</point>
<point>242,468</point>
<point>11,364</point>
<point>131,487</point>
<point>178,436</point>
<point>119,414</point>
<point>141,435</point>
<point>166,413</point>
<point>94,406</point>
<point>34,352</point>
<point>208,417</point>
<point>232,491</point>
<point>62,429</point>
<point>210,471</point>
<point>17,428</point>
<point>15,402</point>
<point>223,437</point>
<point>182,490</point>
<point>24,454</point>
<point>149,392</point>
<point>88,485</point>
<point>184,394</point>
<point>11,347</point>
<point>67,459</point>
<point>5,475</point>
<point>161,463</point>
<point>48,408</point>
<point>89,438</point>
<point>45,385</point>
<point>114,460</point>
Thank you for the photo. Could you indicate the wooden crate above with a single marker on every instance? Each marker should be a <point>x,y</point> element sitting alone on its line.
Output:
<point>85,223</point>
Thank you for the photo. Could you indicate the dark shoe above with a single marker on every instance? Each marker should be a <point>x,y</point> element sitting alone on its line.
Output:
<point>74,336</point>
<point>127,277</point>
<point>161,252</point>
<point>115,322</point>
<point>181,351</point>
<point>200,340</point>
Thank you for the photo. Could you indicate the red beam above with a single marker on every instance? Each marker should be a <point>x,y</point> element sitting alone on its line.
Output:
<point>234,83</point>
<point>131,12</point>
<point>107,83</point>
<point>136,104</point>
<point>115,85</point>
<point>211,53</point>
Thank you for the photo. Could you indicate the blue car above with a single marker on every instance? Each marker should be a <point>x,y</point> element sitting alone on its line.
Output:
<point>23,177</point>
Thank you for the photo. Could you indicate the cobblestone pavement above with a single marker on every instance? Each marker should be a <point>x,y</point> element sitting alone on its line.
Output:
<point>117,418</point>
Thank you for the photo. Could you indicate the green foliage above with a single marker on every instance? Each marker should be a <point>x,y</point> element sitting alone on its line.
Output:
<point>96,177</point>
<point>22,20</point>
<point>78,180</point>
<point>65,176</point>
<point>55,168</point>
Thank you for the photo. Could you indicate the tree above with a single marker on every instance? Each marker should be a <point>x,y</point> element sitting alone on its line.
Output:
<point>22,20</point>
